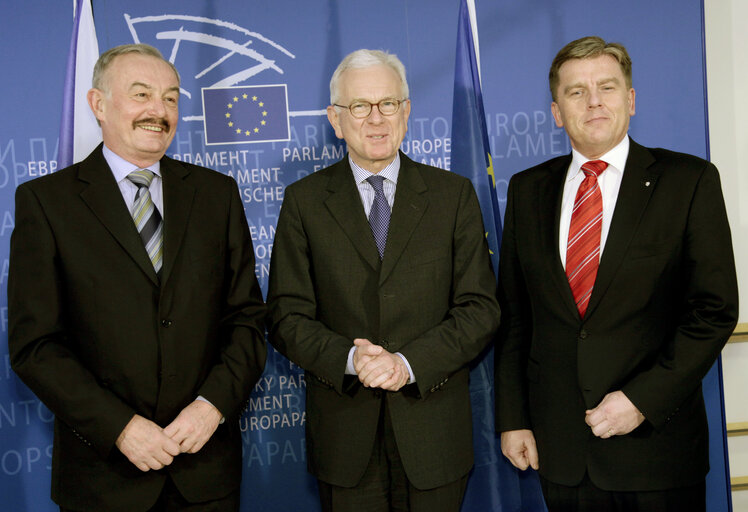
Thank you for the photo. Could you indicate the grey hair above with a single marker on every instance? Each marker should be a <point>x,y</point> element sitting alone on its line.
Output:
<point>106,58</point>
<point>365,59</point>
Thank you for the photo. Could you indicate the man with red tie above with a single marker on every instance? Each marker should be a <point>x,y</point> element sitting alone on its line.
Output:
<point>618,291</point>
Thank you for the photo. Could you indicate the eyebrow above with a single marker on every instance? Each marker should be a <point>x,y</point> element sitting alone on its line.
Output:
<point>140,84</point>
<point>608,80</point>
<point>149,87</point>
<point>602,81</point>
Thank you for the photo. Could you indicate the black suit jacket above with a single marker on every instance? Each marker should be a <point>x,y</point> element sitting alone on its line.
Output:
<point>663,305</point>
<point>432,298</point>
<point>96,336</point>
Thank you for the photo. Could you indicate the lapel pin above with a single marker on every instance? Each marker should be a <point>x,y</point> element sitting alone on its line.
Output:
<point>646,183</point>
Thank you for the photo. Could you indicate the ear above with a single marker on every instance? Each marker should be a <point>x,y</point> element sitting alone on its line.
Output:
<point>556,111</point>
<point>406,112</point>
<point>95,99</point>
<point>632,101</point>
<point>332,116</point>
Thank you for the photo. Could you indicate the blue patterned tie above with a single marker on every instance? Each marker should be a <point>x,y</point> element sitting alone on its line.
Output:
<point>379,216</point>
<point>146,217</point>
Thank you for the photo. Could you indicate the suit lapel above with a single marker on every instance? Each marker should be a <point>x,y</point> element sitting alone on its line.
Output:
<point>549,207</point>
<point>178,198</point>
<point>408,208</point>
<point>344,204</point>
<point>103,197</point>
<point>637,186</point>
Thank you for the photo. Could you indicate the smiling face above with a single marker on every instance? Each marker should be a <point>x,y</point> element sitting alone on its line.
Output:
<point>593,104</point>
<point>372,142</point>
<point>138,108</point>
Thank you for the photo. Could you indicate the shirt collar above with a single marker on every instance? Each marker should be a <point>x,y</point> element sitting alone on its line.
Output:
<point>121,167</point>
<point>616,159</point>
<point>390,172</point>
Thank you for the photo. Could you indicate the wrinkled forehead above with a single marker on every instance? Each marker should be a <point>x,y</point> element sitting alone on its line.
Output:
<point>134,68</point>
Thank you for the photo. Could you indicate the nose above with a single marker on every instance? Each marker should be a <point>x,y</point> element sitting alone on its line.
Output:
<point>157,107</point>
<point>375,117</point>
<point>593,100</point>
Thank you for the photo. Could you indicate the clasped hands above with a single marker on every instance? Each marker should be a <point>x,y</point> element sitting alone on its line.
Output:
<point>378,368</point>
<point>615,415</point>
<point>148,446</point>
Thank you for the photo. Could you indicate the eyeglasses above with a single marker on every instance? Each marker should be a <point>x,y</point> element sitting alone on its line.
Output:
<point>362,109</point>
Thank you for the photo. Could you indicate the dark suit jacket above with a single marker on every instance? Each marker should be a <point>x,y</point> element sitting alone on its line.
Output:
<point>96,337</point>
<point>663,305</point>
<point>432,298</point>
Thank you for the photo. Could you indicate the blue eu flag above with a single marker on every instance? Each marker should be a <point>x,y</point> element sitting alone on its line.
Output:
<point>471,153</point>
<point>253,113</point>
<point>494,484</point>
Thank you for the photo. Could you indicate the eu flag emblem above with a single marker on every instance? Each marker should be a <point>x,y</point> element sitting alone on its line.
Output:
<point>252,113</point>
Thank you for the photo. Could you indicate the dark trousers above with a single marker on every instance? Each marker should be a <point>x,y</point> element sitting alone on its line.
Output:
<point>171,500</point>
<point>385,486</point>
<point>586,497</point>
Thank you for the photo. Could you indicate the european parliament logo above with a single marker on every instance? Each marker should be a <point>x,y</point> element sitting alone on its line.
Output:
<point>253,113</point>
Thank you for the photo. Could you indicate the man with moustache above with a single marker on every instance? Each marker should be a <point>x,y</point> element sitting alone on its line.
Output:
<point>617,283</point>
<point>383,313</point>
<point>135,313</point>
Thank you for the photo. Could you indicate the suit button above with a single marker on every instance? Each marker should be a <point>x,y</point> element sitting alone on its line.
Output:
<point>582,334</point>
<point>166,323</point>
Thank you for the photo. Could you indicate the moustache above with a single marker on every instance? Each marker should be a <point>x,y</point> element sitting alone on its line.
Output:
<point>163,123</point>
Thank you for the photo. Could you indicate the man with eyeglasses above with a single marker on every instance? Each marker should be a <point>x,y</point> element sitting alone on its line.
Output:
<point>382,290</point>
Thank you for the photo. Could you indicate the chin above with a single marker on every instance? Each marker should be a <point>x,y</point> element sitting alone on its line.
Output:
<point>382,155</point>
<point>150,153</point>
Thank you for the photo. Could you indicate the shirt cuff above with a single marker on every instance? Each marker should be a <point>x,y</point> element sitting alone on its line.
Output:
<point>349,369</point>
<point>412,378</point>
<point>203,399</point>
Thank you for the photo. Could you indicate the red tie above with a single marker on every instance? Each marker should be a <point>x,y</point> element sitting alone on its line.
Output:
<point>583,248</point>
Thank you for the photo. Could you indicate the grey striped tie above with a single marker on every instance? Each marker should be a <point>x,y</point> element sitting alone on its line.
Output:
<point>379,216</point>
<point>146,217</point>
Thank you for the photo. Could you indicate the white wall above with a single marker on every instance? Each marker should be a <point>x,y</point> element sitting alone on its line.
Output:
<point>727,85</point>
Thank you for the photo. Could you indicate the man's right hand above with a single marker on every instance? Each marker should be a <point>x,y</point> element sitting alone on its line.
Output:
<point>365,352</point>
<point>145,444</point>
<point>519,447</point>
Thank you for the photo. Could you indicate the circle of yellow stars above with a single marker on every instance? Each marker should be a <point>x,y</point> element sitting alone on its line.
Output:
<point>260,105</point>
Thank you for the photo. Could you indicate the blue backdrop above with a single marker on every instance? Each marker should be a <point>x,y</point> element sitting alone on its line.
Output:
<point>298,43</point>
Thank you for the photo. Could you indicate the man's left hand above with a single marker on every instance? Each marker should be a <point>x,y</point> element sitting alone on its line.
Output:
<point>399,376</point>
<point>385,370</point>
<point>616,415</point>
<point>194,426</point>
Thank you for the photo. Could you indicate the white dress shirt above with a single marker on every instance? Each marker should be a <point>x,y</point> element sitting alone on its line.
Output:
<point>609,182</point>
<point>366,190</point>
<point>121,168</point>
